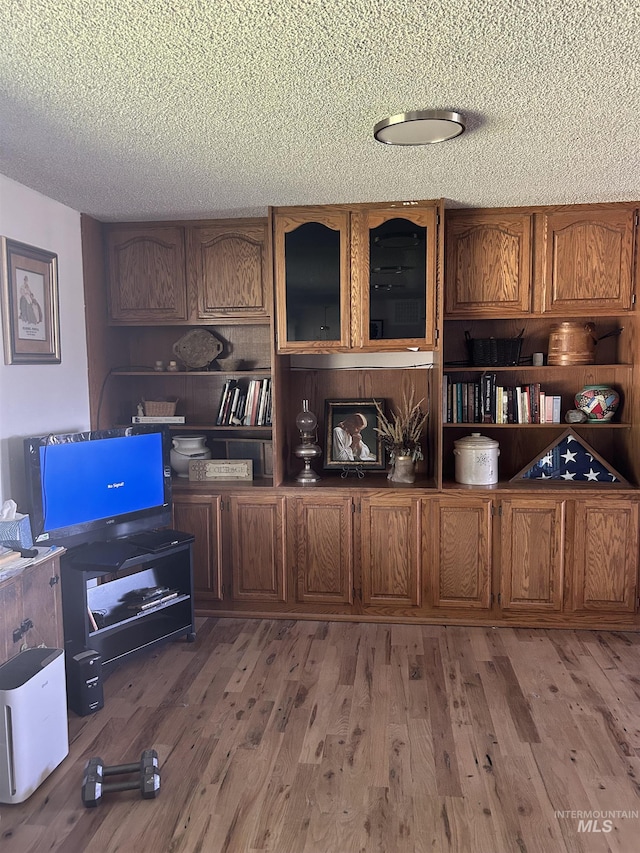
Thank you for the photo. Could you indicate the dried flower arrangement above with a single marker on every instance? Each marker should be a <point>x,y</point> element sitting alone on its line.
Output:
<point>401,433</point>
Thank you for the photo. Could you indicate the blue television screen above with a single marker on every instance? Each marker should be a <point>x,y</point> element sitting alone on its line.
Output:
<point>86,486</point>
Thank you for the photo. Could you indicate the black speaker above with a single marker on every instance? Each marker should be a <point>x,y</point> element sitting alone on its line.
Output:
<point>84,682</point>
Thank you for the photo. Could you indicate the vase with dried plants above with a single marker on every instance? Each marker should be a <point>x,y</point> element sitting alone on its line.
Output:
<point>401,434</point>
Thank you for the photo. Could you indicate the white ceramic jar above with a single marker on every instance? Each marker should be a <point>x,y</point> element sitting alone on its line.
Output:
<point>476,460</point>
<point>186,447</point>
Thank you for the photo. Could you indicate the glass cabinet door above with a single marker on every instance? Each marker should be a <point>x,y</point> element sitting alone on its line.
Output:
<point>397,277</point>
<point>312,280</point>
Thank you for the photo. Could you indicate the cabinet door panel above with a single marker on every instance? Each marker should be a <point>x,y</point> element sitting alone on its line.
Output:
<point>311,263</point>
<point>394,277</point>
<point>10,618</point>
<point>605,550</point>
<point>200,516</point>
<point>462,561</point>
<point>390,551</point>
<point>488,269</point>
<point>587,261</point>
<point>323,549</point>
<point>147,279</point>
<point>228,270</point>
<point>42,605</point>
<point>532,554</point>
<point>257,548</point>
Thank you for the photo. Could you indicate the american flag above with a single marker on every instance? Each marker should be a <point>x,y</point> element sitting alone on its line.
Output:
<point>572,460</point>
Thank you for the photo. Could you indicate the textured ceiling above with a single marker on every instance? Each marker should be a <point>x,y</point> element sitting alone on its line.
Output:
<point>135,109</point>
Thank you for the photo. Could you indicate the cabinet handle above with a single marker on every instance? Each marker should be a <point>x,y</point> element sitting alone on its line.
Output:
<point>54,580</point>
<point>19,633</point>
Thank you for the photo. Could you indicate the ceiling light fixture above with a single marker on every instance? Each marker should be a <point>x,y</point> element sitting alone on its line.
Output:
<point>420,127</point>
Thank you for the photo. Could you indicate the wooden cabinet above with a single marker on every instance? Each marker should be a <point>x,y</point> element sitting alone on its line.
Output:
<point>356,277</point>
<point>320,551</point>
<point>390,551</point>
<point>532,538</point>
<point>200,515</point>
<point>188,272</point>
<point>567,261</point>
<point>228,270</point>
<point>31,608</point>
<point>584,260</point>
<point>256,548</point>
<point>488,263</point>
<point>605,556</point>
<point>461,548</point>
<point>146,273</point>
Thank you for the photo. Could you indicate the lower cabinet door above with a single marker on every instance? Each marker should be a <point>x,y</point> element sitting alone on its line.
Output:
<point>390,551</point>
<point>532,554</point>
<point>200,515</point>
<point>321,548</point>
<point>461,546</point>
<point>257,542</point>
<point>605,555</point>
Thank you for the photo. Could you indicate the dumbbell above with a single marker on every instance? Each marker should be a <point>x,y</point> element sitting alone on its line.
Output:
<point>147,779</point>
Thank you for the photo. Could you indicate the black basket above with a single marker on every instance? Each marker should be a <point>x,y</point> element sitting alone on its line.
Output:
<point>494,352</point>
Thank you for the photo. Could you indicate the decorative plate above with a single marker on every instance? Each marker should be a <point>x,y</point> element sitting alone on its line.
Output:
<point>198,348</point>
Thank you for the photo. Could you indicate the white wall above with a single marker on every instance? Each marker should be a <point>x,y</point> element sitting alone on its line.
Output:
<point>39,399</point>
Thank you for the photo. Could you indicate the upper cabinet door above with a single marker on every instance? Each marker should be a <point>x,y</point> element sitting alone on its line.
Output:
<point>359,277</point>
<point>228,270</point>
<point>393,275</point>
<point>146,274</point>
<point>585,260</point>
<point>311,263</point>
<point>488,264</point>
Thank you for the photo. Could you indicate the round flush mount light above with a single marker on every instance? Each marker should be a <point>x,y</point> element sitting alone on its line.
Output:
<point>420,127</point>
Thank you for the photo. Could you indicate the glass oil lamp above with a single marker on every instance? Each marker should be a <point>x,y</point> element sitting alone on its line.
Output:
<point>307,450</point>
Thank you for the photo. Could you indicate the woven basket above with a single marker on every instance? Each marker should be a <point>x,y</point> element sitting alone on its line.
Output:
<point>159,408</point>
<point>494,352</point>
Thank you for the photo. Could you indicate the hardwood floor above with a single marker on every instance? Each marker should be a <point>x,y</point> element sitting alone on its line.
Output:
<point>314,737</point>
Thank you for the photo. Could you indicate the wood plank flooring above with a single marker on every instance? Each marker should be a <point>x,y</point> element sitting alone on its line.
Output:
<point>332,737</point>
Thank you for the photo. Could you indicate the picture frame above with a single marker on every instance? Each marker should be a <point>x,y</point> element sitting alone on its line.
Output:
<point>346,419</point>
<point>30,308</point>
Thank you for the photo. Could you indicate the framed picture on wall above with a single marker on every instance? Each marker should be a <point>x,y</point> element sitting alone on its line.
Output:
<point>351,438</point>
<point>30,319</point>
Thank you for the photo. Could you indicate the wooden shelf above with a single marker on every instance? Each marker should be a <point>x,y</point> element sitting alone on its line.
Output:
<point>188,373</point>
<point>563,424</point>
<point>541,369</point>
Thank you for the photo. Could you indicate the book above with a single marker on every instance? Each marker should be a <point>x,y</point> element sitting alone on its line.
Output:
<point>549,409</point>
<point>158,419</point>
<point>223,400</point>
<point>557,405</point>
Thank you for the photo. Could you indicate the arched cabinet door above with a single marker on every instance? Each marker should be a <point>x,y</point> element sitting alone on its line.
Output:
<point>585,261</point>
<point>311,262</point>
<point>488,263</point>
<point>228,270</point>
<point>146,274</point>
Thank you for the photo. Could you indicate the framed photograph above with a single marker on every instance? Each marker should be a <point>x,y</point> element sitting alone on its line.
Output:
<point>351,439</point>
<point>31,324</point>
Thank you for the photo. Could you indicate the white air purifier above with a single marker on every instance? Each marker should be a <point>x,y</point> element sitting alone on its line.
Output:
<point>34,733</point>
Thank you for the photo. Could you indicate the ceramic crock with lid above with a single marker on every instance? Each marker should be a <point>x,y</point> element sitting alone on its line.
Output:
<point>476,460</point>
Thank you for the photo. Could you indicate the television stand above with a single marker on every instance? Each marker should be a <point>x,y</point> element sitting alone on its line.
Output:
<point>119,608</point>
<point>109,554</point>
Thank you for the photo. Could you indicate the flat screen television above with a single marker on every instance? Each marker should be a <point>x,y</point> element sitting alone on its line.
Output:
<point>97,486</point>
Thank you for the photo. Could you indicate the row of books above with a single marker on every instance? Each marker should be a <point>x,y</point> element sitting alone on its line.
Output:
<point>245,403</point>
<point>484,401</point>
